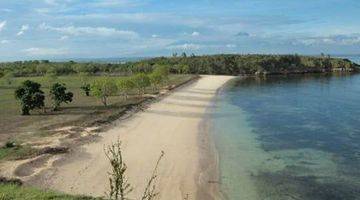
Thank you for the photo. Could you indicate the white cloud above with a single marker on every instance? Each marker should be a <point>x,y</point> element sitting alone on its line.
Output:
<point>154,36</point>
<point>4,41</point>
<point>42,10</point>
<point>2,25</point>
<point>117,3</point>
<point>35,51</point>
<point>231,45</point>
<point>195,33</point>
<point>351,39</point>
<point>65,37</point>
<point>51,2</point>
<point>186,46</point>
<point>95,31</point>
<point>23,29</point>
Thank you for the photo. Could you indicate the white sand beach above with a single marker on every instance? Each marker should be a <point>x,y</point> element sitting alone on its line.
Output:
<point>171,125</point>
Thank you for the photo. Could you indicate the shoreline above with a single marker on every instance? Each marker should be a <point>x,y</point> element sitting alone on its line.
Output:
<point>210,168</point>
<point>172,124</point>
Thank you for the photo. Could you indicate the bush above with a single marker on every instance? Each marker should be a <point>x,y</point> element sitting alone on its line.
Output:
<point>10,144</point>
<point>141,81</point>
<point>103,88</point>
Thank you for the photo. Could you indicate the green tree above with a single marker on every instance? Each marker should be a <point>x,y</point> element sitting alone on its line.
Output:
<point>141,81</point>
<point>59,95</point>
<point>86,88</point>
<point>125,85</point>
<point>103,88</point>
<point>30,96</point>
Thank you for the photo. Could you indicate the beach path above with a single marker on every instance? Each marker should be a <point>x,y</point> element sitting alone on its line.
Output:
<point>170,125</point>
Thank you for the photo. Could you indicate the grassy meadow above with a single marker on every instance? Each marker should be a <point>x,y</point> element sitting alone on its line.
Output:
<point>84,111</point>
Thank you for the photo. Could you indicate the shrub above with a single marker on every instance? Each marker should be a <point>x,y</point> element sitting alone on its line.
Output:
<point>86,89</point>
<point>141,81</point>
<point>125,85</point>
<point>103,88</point>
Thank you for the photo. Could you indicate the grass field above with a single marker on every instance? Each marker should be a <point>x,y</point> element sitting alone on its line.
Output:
<point>83,111</point>
<point>14,192</point>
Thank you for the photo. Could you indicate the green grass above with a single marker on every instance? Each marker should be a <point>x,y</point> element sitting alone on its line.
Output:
<point>83,111</point>
<point>14,192</point>
<point>17,152</point>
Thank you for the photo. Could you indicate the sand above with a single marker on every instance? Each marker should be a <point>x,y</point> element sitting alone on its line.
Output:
<point>173,125</point>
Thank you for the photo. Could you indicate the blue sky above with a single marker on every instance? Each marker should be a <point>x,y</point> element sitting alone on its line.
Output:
<point>58,29</point>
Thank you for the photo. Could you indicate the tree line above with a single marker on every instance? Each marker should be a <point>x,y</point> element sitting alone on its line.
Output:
<point>31,96</point>
<point>225,64</point>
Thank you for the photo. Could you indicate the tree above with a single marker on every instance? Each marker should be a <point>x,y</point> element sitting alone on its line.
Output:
<point>59,95</point>
<point>103,88</point>
<point>86,88</point>
<point>125,85</point>
<point>30,96</point>
<point>141,81</point>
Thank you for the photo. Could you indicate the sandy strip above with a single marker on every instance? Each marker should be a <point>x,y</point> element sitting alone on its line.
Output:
<point>172,125</point>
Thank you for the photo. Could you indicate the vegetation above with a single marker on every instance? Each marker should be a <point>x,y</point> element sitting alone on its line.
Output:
<point>120,187</point>
<point>59,95</point>
<point>213,64</point>
<point>30,96</point>
<point>12,151</point>
<point>17,192</point>
<point>103,88</point>
<point>86,88</point>
<point>141,81</point>
<point>125,86</point>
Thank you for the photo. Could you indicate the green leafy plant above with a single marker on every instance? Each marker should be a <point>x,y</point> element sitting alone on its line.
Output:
<point>125,85</point>
<point>103,88</point>
<point>141,81</point>
<point>59,95</point>
<point>30,96</point>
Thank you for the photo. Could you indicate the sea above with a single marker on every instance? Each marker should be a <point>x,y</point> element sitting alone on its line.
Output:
<point>289,137</point>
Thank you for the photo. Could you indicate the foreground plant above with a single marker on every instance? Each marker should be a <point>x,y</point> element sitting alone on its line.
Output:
<point>120,187</point>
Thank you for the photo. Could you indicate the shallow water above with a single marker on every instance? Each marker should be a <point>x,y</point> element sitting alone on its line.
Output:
<point>293,137</point>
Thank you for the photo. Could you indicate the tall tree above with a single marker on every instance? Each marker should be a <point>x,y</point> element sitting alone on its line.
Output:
<point>30,96</point>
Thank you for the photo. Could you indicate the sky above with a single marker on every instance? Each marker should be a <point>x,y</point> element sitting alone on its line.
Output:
<point>65,29</point>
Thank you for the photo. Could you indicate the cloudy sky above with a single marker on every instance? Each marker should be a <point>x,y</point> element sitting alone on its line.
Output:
<point>58,29</point>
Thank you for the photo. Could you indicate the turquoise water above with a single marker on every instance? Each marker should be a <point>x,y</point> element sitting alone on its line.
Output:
<point>293,137</point>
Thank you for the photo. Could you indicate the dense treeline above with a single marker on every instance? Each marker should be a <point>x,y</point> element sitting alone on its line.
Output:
<point>213,64</point>
<point>254,64</point>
